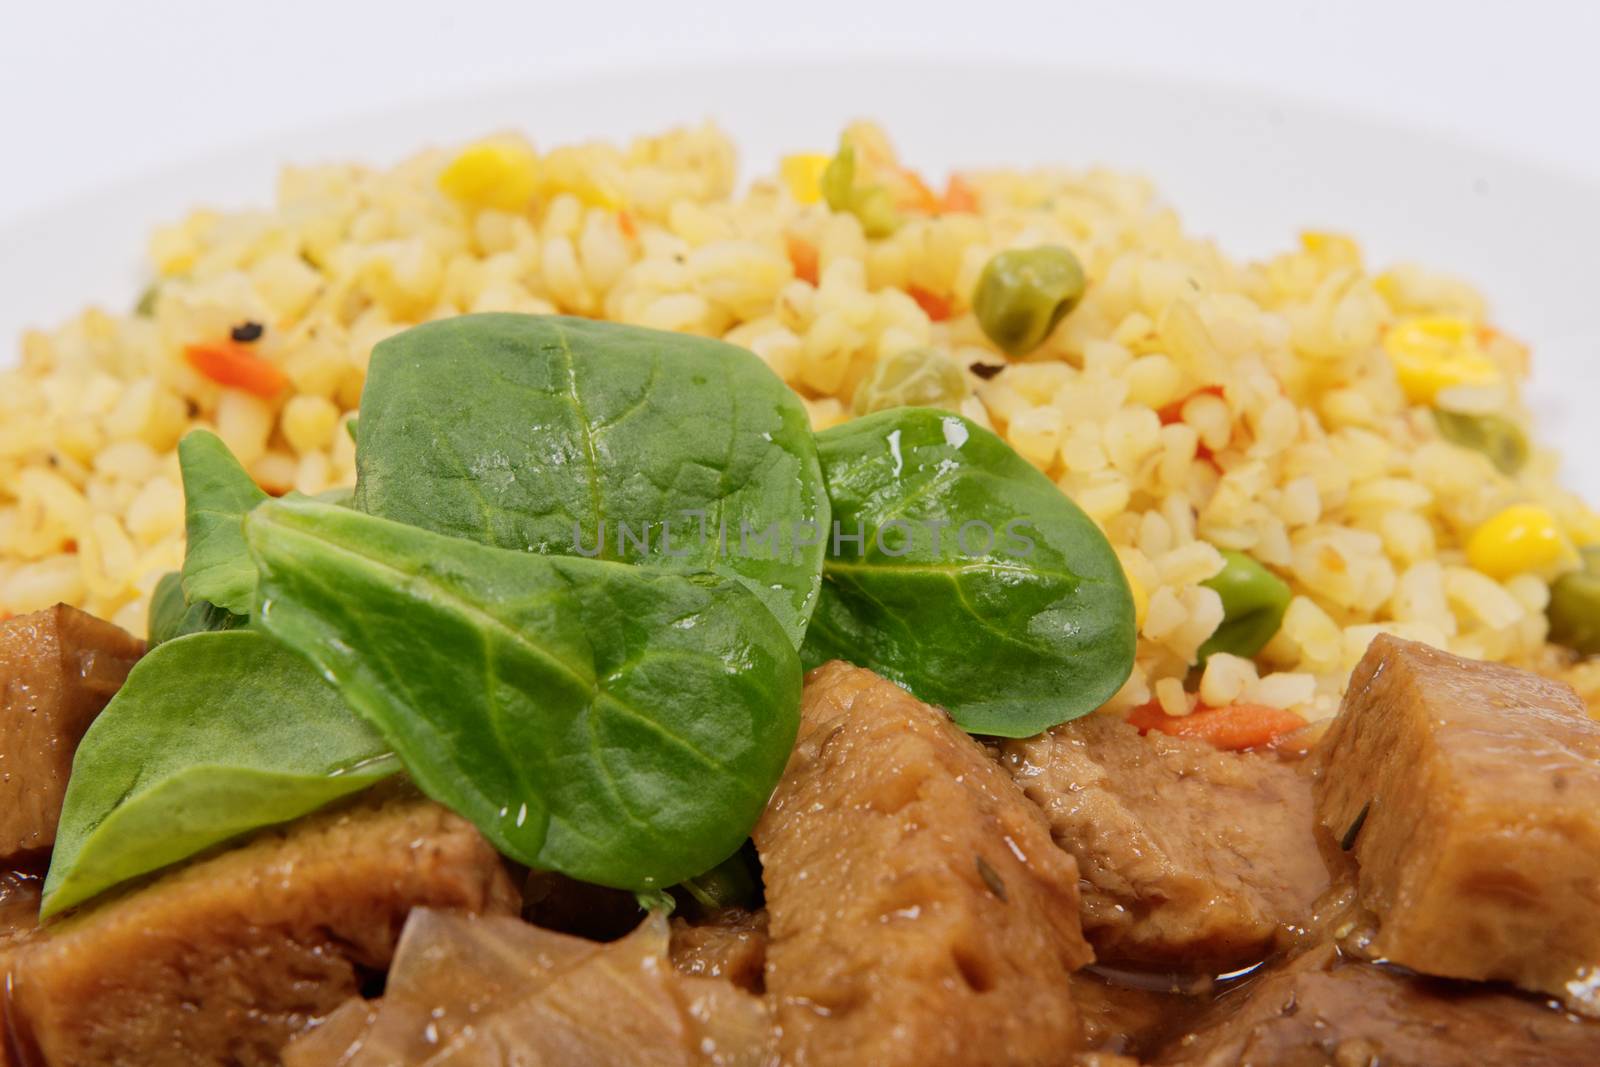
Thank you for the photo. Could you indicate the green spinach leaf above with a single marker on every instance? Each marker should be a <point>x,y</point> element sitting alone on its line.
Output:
<point>564,436</point>
<point>172,616</point>
<point>217,493</point>
<point>975,583</point>
<point>212,735</point>
<point>622,725</point>
<point>343,495</point>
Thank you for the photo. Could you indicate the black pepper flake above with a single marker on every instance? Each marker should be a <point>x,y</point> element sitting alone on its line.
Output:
<point>1349,840</point>
<point>991,878</point>
<point>986,370</point>
<point>246,332</point>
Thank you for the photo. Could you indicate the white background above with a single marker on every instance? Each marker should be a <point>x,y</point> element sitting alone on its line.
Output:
<point>1255,118</point>
<point>95,91</point>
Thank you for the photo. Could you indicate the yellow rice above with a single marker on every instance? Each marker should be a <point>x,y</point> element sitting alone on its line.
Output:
<point>1322,468</point>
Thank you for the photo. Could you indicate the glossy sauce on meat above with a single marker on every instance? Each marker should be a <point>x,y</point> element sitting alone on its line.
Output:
<point>1470,793</point>
<point>919,912</point>
<point>222,961</point>
<point>923,904</point>
<point>58,669</point>
<point>1193,859</point>
<point>731,944</point>
<point>1322,1009</point>
<point>20,890</point>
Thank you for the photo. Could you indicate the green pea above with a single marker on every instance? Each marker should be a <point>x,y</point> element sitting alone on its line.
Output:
<point>872,205</point>
<point>838,181</point>
<point>1574,609</point>
<point>1024,293</point>
<point>1253,602</point>
<point>1496,436</point>
<point>916,378</point>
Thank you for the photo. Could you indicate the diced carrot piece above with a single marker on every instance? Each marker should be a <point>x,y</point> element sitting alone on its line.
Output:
<point>1488,334</point>
<point>920,198</point>
<point>1231,727</point>
<point>935,306</point>
<point>959,196</point>
<point>232,364</point>
<point>626,224</point>
<point>803,255</point>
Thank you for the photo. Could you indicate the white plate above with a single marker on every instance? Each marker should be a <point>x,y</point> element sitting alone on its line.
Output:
<point>1247,168</point>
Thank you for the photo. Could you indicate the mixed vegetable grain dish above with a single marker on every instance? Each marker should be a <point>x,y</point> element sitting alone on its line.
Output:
<point>552,607</point>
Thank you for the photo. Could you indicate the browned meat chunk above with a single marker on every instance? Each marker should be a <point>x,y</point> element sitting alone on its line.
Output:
<point>1479,849</point>
<point>222,961</point>
<point>19,921</point>
<point>1321,1011</point>
<point>58,668</point>
<point>731,944</point>
<point>919,912</point>
<point>1192,858</point>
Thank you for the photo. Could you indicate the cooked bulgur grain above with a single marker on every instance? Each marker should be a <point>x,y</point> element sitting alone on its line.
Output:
<point>1189,403</point>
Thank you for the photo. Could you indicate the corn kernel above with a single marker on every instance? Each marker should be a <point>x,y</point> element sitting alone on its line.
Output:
<point>802,174</point>
<point>1436,353</point>
<point>1522,538</point>
<point>493,174</point>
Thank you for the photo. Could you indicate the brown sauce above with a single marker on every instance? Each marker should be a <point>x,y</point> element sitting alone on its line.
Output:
<point>1138,1013</point>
